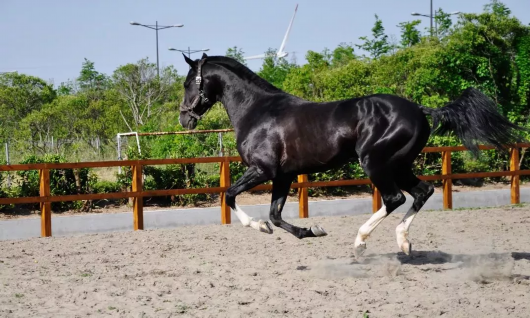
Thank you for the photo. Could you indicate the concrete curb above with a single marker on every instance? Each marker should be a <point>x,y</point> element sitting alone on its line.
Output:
<point>117,222</point>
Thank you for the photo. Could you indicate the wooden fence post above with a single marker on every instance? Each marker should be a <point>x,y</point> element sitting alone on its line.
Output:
<point>377,203</point>
<point>514,166</point>
<point>303,202</point>
<point>226,216</point>
<point>447,183</point>
<point>138,202</point>
<point>45,207</point>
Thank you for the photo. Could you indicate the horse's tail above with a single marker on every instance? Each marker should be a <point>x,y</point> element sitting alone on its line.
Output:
<point>473,117</point>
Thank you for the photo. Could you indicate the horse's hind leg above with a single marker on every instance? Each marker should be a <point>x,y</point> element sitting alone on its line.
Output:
<point>382,178</point>
<point>251,178</point>
<point>280,191</point>
<point>420,191</point>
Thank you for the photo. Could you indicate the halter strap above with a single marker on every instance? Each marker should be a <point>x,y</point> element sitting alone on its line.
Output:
<point>196,100</point>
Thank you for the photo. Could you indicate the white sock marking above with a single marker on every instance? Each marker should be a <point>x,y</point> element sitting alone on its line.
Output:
<point>242,216</point>
<point>402,230</point>
<point>246,220</point>
<point>370,225</point>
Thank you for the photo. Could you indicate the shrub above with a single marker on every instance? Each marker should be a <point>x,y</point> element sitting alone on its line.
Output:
<point>62,181</point>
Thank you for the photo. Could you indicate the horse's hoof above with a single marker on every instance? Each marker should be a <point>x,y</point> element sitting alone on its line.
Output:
<point>359,249</point>
<point>265,227</point>
<point>406,247</point>
<point>318,230</point>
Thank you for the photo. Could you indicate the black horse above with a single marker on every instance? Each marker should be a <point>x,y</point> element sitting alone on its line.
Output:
<point>280,136</point>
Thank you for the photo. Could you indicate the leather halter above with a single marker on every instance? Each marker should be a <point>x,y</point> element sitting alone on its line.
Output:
<point>198,80</point>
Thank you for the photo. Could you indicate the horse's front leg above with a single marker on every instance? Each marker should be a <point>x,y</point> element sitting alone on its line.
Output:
<point>251,178</point>
<point>280,191</point>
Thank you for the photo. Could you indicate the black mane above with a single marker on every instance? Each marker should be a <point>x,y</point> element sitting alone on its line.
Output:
<point>244,72</point>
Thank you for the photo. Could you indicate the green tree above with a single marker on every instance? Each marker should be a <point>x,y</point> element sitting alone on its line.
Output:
<point>19,96</point>
<point>142,90</point>
<point>67,88</point>
<point>236,53</point>
<point>379,44</point>
<point>443,23</point>
<point>410,35</point>
<point>342,55</point>
<point>498,8</point>
<point>91,80</point>
<point>481,51</point>
<point>274,69</point>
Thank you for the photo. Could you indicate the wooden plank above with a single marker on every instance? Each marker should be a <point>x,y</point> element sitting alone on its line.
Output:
<point>431,178</point>
<point>155,193</point>
<point>153,162</point>
<point>117,163</point>
<point>224,181</point>
<point>447,183</point>
<point>45,207</point>
<point>138,202</point>
<point>93,196</point>
<point>462,148</point>
<point>377,202</point>
<point>303,201</point>
<point>514,186</point>
<point>452,148</point>
<point>484,174</point>
<point>114,163</point>
<point>120,195</point>
<point>23,200</point>
<point>336,183</point>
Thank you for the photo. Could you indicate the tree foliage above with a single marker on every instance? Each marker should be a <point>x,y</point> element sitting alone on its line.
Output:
<point>237,54</point>
<point>410,35</point>
<point>378,45</point>
<point>489,50</point>
<point>142,90</point>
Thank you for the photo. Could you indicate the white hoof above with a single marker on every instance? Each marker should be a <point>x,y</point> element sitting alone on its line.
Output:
<point>402,241</point>
<point>359,249</point>
<point>406,247</point>
<point>265,227</point>
<point>318,230</point>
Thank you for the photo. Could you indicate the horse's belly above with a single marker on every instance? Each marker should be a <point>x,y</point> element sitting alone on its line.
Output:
<point>316,159</point>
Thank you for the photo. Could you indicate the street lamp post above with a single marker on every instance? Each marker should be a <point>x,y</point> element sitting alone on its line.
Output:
<point>189,51</point>
<point>431,17</point>
<point>157,27</point>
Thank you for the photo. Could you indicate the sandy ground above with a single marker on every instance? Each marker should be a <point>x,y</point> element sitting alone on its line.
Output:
<point>466,263</point>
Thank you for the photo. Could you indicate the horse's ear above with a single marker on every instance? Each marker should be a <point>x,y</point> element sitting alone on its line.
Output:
<point>190,62</point>
<point>204,56</point>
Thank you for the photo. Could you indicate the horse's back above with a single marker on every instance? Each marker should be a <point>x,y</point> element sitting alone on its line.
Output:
<point>391,126</point>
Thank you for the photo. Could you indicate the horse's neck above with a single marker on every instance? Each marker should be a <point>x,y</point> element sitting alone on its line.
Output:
<point>238,98</point>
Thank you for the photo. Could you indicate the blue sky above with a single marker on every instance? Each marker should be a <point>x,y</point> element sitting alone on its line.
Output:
<point>51,38</point>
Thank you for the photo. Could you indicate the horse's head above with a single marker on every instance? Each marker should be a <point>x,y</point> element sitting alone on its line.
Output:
<point>198,97</point>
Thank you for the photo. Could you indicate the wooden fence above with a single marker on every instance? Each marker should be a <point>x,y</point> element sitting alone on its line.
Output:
<point>302,184</point>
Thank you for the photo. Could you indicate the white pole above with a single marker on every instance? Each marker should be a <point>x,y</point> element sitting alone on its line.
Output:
<point>220,145</point>
<point>119,150</point>
<point>7,162</point>
<point>138,143</point>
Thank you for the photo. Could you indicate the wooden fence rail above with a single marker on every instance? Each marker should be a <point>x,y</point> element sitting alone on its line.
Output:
<point>45,198</point>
